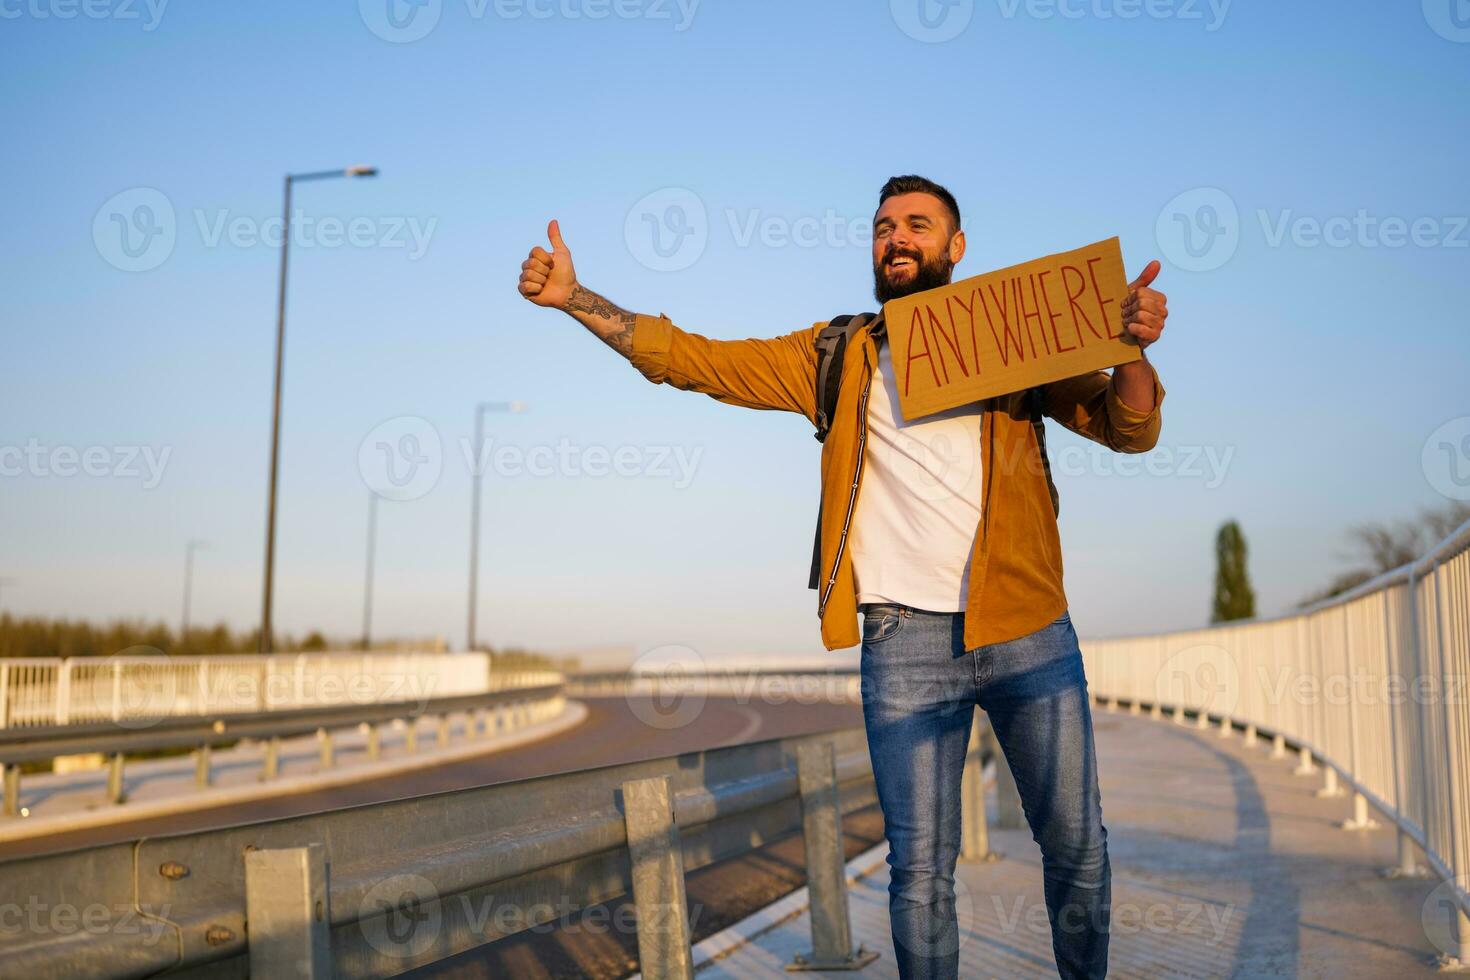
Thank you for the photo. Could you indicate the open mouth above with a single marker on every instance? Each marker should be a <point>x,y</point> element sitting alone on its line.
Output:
<point>902,262</point>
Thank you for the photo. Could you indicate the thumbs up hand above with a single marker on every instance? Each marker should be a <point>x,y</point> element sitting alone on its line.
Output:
<point>547,278</point>
<point>1145,309</point>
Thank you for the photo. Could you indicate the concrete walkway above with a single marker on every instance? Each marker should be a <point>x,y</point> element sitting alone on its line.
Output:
<point>1225,864</point>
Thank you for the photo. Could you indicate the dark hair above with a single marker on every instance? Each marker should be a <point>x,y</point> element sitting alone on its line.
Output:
<point>914,184</point>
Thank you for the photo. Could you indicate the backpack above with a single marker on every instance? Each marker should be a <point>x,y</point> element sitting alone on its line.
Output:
<point>831,344</point>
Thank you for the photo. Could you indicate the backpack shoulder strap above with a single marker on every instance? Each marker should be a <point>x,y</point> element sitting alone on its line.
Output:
<point>1036,406</point>
<point>831,345</point>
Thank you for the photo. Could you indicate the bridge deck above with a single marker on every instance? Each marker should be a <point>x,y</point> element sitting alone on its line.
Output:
<point>1224,864</point>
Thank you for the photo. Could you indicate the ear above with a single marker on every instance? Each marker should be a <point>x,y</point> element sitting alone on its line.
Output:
<point>957,247</point>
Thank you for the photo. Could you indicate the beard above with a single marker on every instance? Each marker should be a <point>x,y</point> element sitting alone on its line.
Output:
<point>929,273</point>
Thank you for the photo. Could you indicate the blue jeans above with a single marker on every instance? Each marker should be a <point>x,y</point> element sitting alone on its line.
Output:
<point>920,688</point>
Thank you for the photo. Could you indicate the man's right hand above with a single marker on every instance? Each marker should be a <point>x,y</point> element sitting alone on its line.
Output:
<point>547,278</point>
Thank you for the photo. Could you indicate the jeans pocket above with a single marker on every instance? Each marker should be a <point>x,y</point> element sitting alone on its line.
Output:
<point>881,623</point>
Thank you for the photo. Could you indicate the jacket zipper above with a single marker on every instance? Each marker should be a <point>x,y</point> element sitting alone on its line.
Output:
<point>852,494</point>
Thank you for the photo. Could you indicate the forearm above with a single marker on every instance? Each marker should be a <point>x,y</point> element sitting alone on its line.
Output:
<point>609,322</point>
<point>1134,383</point>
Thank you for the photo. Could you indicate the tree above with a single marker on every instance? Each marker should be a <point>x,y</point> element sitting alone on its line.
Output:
<point>1378,547</point>
<point>1234,598</point>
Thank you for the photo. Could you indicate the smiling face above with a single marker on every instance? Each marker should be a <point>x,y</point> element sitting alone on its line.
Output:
<point>915,245</point>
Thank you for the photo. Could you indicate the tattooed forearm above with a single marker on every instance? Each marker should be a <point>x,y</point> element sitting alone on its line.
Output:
<point>610,322</point>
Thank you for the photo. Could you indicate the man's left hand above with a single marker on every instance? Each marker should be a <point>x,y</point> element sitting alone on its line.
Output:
<point>1145,309</point>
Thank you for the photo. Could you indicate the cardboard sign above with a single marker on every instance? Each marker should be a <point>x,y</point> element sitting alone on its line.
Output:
<point>1043,320</point>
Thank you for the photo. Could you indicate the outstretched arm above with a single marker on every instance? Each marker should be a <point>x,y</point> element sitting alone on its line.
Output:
<point>771,373</point>
<point>549,279</point>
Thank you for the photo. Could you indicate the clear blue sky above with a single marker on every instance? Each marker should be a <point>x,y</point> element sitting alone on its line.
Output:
<point>1317,371</point>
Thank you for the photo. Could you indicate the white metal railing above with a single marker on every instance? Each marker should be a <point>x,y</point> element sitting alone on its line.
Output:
<point>1371,683</point>
<point>76,690</point>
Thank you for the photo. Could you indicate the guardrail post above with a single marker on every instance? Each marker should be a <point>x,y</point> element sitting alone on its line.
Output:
<point>1250,735</point>
<point>444,731</point>
<point>1304,766</point>
<point>374,742</point>
<point>657,858</point>
<point>974,822</point>
<point>411,736</point>
<point>271,765</point>
<point>116,791</point>
<point>324,748</point>
<point>202,773</point>
<point>1156,711</point>
<point>826,865</point>
<point>12,790</point>
<point>288,913</point>
<point>1278,746</point>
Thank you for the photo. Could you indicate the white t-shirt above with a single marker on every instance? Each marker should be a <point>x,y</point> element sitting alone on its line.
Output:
<point>919,506</point>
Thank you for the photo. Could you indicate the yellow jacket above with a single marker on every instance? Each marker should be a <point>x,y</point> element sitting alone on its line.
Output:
<point>1016,564</point>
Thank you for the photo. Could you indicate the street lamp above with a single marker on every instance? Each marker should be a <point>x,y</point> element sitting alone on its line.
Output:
<point>477,471</point>
<point>190,546</point>
<point>367,585</point>
<point>357,170</point>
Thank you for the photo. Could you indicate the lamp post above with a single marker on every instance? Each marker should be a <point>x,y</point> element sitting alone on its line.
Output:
<point>190,546</point>
<point>477,471</point>
<point>270,513</point>
<point>367,585</point>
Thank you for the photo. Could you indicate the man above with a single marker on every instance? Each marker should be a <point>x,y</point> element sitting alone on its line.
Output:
<point>942,531</point>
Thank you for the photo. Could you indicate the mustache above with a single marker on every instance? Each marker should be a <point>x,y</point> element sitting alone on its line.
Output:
<point>894,252</point>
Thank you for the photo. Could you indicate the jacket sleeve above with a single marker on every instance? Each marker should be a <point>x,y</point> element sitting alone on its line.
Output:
<point>1089,405</point>
<point>775,373</point>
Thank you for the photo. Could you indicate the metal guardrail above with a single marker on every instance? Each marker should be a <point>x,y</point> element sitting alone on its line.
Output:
<point>77,690</point>
<point>1371,685</point>
<point>376,890</point>
<point>487,712</point>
